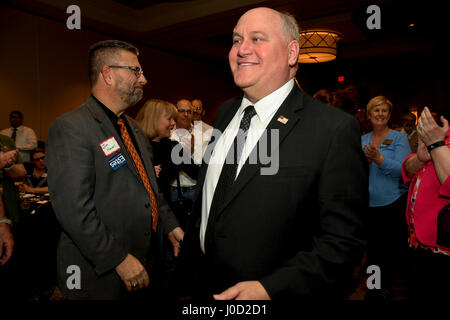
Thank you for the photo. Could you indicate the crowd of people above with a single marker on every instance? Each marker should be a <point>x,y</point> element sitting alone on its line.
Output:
<point>28,234</point>
<point>388,145</point>
<point>142,212</point>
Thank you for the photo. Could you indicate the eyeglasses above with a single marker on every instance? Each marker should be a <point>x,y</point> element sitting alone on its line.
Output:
<point>137,71</point>
<point>185,111</point>
<point>38,159</point>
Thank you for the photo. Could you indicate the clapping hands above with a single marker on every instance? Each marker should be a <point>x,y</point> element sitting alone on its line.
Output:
<point>373,154</point>
<point>8,158</point>
<point>428,130</point>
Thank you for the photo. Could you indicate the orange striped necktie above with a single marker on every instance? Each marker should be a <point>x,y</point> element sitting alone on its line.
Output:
<point>141,170</point>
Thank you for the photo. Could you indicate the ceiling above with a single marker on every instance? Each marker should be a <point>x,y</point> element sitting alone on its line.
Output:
<point>201,29</point>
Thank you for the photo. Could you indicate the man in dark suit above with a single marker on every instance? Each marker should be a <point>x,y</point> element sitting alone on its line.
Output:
<point>291,227</point>
<point>103,186</point>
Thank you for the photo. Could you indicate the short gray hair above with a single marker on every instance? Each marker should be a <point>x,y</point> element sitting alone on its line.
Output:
<point>290,27</point>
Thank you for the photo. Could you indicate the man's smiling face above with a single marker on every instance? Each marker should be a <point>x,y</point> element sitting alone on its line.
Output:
<point>259,57</point>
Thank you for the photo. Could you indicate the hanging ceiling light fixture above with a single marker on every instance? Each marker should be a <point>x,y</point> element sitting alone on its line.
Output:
<point>318,46</point>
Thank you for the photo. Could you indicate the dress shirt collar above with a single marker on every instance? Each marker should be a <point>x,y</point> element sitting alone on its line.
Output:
<point>113,118</point>
<point>267,106</point>
<point>408,134</point>
<point>111,115</point>
<point>181,131</point>
<point>19,128</point>
<point>412,133</point>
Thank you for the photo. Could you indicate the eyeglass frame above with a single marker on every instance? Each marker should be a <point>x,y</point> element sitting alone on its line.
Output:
<point>38,159</point>
<point>137,71</point>
<point>185,111</point>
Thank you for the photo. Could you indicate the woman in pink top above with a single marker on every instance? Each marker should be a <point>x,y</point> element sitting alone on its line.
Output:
<point>429,192</point>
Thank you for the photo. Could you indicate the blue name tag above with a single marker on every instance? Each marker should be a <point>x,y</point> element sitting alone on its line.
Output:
<point>117,161</point>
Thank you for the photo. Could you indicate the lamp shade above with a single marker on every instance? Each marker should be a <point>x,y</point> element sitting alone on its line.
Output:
<point>318,46</point>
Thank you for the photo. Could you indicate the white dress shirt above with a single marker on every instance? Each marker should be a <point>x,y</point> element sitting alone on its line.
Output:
<point>26,140</point>
<point>183,137</point>
<point>265,110</point>
<point>202,135</point>
<point>409,135</point>
<point>205,127</point>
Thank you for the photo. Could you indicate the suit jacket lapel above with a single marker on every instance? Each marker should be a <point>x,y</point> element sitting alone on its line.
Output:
<point>107,127</point>
<point>219,128</point>
<point>289,110</point>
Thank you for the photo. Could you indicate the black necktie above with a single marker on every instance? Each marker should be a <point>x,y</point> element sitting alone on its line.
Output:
<point>228,174</point>
<point>14,134</point>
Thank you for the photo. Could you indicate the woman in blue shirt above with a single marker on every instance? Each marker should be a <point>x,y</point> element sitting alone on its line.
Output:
<point>385,150</point>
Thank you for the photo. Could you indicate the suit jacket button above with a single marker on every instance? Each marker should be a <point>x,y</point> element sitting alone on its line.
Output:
<point>147,205</point>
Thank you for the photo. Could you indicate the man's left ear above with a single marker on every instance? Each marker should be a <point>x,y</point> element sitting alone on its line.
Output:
<point>293,51</point>
<point>105,73</point>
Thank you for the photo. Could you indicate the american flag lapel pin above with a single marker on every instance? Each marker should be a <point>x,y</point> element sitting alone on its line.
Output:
<point>282,119</point>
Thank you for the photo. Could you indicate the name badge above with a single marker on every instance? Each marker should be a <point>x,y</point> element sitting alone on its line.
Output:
<point>117,161</point>
<point>109,146</point>
<point>387,142</point>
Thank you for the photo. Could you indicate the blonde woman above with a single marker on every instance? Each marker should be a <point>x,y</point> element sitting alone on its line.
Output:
<point>156,118</point>
<point>385,150</point>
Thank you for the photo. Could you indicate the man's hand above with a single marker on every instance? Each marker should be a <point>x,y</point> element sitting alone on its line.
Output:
<point>175,237</point>
<point>133,273</point>
<point>6,243</point>
<point>25,188</point>
<point>157,170</point>
<point>247,290</point>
